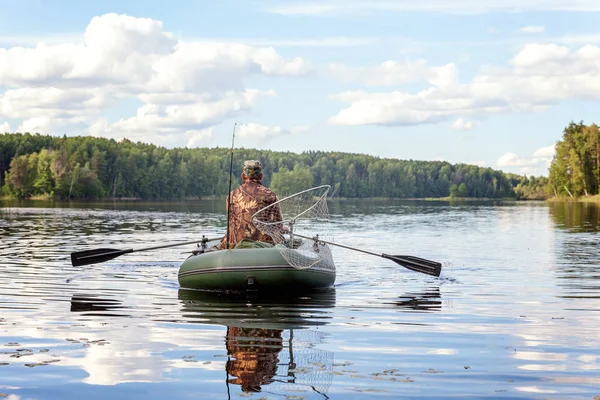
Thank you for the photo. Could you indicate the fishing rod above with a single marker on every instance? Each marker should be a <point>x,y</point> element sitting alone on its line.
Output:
<point>229,192</point>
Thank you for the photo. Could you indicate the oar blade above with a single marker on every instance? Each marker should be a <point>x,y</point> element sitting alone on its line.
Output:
<point>95,256</point>
<point>417,264</point>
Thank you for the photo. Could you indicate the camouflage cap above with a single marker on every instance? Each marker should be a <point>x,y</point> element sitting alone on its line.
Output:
<point>252,168</point>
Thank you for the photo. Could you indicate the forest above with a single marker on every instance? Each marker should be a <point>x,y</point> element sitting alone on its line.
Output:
<point>86,167</point>
<point>575,168</point>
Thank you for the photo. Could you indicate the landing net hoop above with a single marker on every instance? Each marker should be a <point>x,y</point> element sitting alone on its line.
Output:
<point>305,213</point>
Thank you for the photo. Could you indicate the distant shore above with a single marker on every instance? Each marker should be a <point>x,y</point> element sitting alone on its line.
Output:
<point>135,199</point>
<point>565,199</point>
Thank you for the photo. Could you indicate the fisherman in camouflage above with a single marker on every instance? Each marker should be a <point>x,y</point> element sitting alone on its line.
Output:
<point>246,200</point>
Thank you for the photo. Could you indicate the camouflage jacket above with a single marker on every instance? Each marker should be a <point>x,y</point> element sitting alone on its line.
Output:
<point>246,200</point>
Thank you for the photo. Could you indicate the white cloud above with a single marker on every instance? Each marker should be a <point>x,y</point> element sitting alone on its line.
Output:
<point>464,125</point>
<point>532,29</point>
<point>185,87</point>
<point>361,7</point>
<point>163,123</point>
<point>388,73</point>
<point>545,152</point>
<point>30,102</point>
<point>391,73</point>
<point>41,124</point>
<point>334,41</point>
<point>259,131</point>
<point>199,138</point>
<point>536,164</point>
<point>535,55</point>
<point>541,75</point>
<point>5,127</point>
<point>513,160</point>
<point>77,38</point>
<point>32,40</point>
<point>578,39</point>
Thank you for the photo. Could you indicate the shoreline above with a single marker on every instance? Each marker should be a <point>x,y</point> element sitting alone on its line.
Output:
<point>582,199</point>
<point>219,198</point>
<point>561,199</point>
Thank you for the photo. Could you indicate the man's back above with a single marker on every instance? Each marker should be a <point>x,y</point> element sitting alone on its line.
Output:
<point>246,200</point>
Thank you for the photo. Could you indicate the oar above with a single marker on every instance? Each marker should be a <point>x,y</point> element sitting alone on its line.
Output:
<point>411,262</point>
<point>95,256</point>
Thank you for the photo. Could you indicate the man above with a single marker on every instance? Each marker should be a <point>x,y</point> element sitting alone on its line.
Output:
<point>246,200</point>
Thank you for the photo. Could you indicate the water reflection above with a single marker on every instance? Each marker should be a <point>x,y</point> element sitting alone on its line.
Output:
<point>427,301</point>
<point>255,353</point>
<point>576,265</point>
<point>268,346</point>
<point>578,217</point>
<point>92,305</point>
<point>258,310</point>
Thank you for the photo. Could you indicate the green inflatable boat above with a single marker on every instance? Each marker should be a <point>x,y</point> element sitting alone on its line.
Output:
<point>291,262</point>
<point>272,268</point>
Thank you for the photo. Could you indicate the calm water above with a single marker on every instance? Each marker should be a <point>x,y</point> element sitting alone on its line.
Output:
<point>515,314</point>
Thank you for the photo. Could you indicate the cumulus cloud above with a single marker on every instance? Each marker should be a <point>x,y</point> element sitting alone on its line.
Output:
<point>391,73</point>
<point>539,76</point>
<point>546,153</point>
<point>199,138</point>
<point>184,87</point>
<point>51,102</point>
<point>464,125</point>
<point>5,127</point>
<point>532,29</point>
<point>536,164</point>
<point>361,7</point>
<point>513,160</point>
<point>259,131</point>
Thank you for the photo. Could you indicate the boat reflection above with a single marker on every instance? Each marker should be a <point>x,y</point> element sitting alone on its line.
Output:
<point>269,347</point>
<point>258,310</point>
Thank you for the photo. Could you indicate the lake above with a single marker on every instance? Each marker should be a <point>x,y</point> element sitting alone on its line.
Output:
<point>514,314</point>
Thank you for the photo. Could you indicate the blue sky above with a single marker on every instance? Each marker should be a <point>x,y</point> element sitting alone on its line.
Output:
<point>487,82</point>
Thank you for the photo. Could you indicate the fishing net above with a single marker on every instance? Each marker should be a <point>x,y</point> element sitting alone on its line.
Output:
<point>292,220</point>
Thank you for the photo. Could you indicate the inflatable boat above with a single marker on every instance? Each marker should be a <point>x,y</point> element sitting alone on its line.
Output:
<point>256,269</point>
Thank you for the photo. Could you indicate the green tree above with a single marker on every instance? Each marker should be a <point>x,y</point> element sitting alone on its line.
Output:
<point>286,182</point>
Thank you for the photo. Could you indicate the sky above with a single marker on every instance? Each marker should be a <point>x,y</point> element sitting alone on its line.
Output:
<point>485,82</point>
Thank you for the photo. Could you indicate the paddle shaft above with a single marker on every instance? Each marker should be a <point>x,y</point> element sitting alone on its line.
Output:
<point>343,245</point>
<point>413,263</point>
<point>155,247</point>
<point>100,255</point>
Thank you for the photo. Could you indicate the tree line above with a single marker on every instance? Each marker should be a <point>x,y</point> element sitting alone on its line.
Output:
<point>86,167</point>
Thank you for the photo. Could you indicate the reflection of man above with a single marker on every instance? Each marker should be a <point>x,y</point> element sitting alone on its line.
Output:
<point>256,352</point>
<point>246,200</point>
